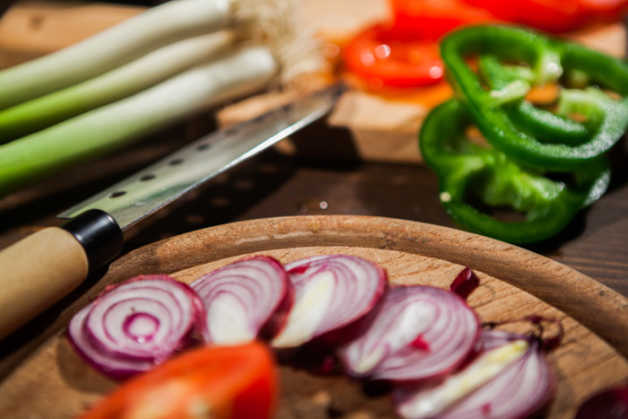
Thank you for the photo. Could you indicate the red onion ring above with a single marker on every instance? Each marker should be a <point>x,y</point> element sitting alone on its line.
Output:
<point>419,332</point>
<point>244,299</point>
<point>136,325</point>
<point>332,292</point>
<point>516,393</point>
<point>519,389</point>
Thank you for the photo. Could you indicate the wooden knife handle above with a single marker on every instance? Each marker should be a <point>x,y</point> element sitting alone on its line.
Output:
<point>36,272</point>
<point>44,267</point>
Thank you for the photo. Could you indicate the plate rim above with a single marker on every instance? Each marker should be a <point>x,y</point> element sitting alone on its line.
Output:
<point>591,303</point>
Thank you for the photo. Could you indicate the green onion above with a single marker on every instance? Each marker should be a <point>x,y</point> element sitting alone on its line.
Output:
<point>152,68</point>
<point>162,25</point>
<point>112,126</point>
<point>99,83</point>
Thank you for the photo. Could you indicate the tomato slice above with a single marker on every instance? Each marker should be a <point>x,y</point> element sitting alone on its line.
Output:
<point>389,56</point>
<point>230,382</point>
<point>548,15</point>
<point>431,19</point>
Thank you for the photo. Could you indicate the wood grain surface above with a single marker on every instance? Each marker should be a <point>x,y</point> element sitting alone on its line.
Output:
<point>30,29</point>
<point>411,253</point>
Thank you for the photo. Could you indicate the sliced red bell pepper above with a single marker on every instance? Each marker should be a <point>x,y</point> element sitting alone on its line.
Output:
<point>548,15</point>
<point>431,19</point>
<point>606,9</point>
<point>404,54</point>
<point>387,56</point>
<point>229,382</point>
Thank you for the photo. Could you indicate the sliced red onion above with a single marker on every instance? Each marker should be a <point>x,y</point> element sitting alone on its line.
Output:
<point>331,292</point>
<point>244,299</point>
<point>508,379</point>
<point>136,325</point>
<point>419,332</point>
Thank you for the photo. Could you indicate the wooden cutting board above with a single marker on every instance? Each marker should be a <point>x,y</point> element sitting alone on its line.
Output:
<point>56,383</point>
<point>383,128</point>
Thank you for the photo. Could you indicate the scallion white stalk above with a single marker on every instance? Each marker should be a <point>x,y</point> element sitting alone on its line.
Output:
<point>124,81</point>
<point>158,26</point>
<point>112,126</point>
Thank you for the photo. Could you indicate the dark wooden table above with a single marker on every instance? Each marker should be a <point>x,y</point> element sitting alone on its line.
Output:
<point>275,184</point>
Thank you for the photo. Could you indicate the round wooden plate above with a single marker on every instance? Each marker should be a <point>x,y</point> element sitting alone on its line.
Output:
<point>55,383</point>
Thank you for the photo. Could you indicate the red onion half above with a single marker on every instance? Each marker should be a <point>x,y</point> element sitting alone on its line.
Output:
<point>419,332</point>
<point>244,298</point>
<point>508,379</point>
<point>136,325</point>
<point>331,292</point>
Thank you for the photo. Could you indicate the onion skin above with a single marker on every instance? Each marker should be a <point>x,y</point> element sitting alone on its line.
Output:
<point>465,283</point>
<point>102,331</point>
<point>259,284</point>
<point>419,333</point>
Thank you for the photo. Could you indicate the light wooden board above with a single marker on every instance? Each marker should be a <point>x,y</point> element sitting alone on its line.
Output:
<point>514,283</point>
<point>383,128</point>
<point>30,29</point>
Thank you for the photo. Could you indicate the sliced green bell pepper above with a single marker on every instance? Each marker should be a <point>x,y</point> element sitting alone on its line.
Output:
<point>468,170</point>
<point>520,130</point>
<point>543,125</point>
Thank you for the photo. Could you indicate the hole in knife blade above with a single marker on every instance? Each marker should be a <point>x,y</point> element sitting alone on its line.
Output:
<point>175,162</point>
<point>116,194</point>
<point>202,147</point>
<point>147,177</point>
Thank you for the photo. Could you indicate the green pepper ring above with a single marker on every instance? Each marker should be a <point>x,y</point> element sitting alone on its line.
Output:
<point>517,44</point>
<point>455,171</point>
<point>541,124</point>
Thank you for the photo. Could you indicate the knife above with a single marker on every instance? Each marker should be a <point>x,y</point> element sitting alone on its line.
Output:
<point>42,268</point>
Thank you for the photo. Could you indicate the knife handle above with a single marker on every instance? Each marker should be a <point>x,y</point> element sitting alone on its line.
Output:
<point>44,267</point>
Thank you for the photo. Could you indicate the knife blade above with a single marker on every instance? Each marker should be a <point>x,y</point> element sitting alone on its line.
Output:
<point>42,268</point>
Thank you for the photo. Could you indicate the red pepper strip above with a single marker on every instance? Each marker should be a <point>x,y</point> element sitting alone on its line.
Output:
<point>228,382</point>
<point>384,56</point>
<point>548,15</point>
<point>431,19</point>
<point>606,9</point>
